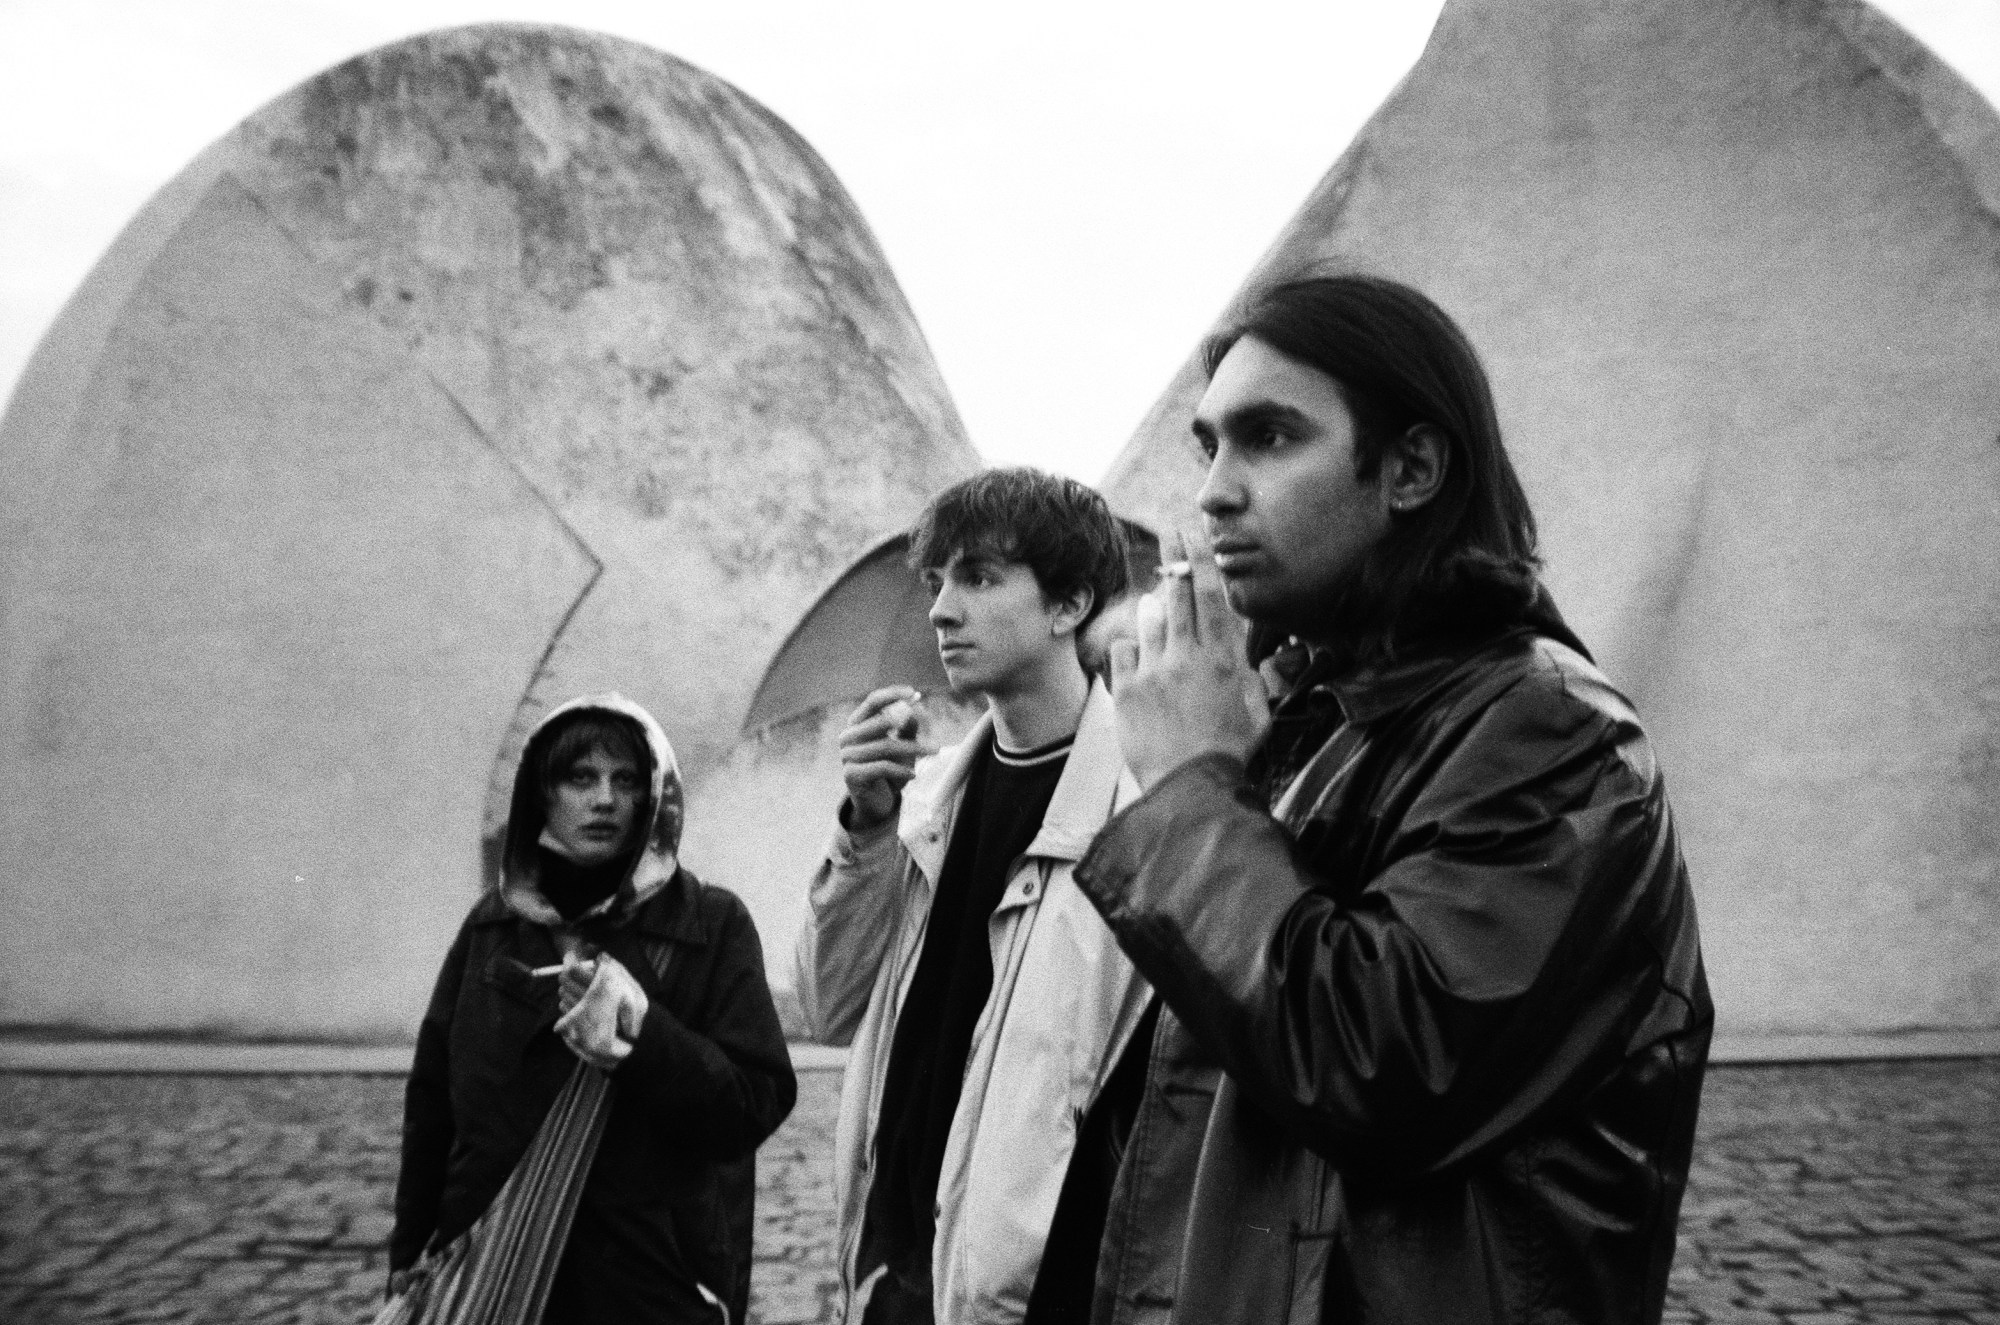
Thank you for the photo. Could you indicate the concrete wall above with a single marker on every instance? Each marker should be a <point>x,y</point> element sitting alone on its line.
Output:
<point>1735,269</point>
<point>487,368</point>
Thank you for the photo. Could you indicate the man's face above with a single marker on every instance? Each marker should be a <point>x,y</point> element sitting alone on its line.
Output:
<point>1288,520</point>
<point>995,629</point>
<point>593,805</point>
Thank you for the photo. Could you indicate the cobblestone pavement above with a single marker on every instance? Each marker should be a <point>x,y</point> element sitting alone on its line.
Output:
<point>1821,1194</point>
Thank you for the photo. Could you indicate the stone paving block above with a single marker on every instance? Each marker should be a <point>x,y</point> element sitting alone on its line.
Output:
<point>299,1239</point>
<point>1745,1316</point>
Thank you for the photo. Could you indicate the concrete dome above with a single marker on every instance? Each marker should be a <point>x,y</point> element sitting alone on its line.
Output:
<point>488,368</point>
<point>1735,269</point>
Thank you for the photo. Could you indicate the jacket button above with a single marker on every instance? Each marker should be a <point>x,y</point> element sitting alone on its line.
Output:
<point>1027,890</point>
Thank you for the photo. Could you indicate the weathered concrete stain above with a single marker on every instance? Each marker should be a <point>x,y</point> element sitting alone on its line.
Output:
<point>485,369</point>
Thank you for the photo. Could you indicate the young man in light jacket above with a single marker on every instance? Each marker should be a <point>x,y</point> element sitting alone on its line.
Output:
<point>985,1000</point>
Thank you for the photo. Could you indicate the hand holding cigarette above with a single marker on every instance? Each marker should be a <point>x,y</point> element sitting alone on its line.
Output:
<point>601,1024</point>
<point>879,751</point>
<point>1181,685</point>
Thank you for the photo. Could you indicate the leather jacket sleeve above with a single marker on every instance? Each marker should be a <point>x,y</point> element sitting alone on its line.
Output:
<point>1403,989</point>
<point>427,1124</point>
<point>724,1088</point>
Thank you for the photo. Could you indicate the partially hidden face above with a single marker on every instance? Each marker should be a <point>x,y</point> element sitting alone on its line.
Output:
<point>995,627</point>
<point>594,805</point>
<point>1286,517</point>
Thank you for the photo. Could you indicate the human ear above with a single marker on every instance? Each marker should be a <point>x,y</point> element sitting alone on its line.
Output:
<point>1069,612</point>
<point>1413,468</point>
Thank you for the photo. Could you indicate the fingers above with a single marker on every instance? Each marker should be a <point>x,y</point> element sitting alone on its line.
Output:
<point>871,707</point>
<point>614,1005</point>
<point>881,730</point>
<point>1117,621</point>
<point>1218,624</point>
<point>892,749</point>
<point>893,773</point>
<point>604,1058</point>
<point>1124,662</point>
<point>880,699</point>
<point>1149,626</point>
<point>1177,589</point>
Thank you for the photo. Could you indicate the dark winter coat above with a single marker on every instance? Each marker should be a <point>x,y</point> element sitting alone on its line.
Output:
<point>668,1201</point>
<point>1448,1000</point>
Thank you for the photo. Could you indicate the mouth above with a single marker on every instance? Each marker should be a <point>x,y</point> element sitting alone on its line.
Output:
<point>599,830</point>
<point>1234,556</point>
<point>953,648</point>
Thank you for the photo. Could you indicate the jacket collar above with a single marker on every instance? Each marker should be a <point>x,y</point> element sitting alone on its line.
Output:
<point>668,912</point>
<point>1093,782</point>
<point>1370,695</point>
<point>1089,785</point>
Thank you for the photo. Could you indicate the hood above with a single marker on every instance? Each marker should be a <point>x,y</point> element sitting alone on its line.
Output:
<point>649,866</point>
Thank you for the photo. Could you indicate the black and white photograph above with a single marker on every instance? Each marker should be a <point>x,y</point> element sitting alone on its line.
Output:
<point>1071,664</point>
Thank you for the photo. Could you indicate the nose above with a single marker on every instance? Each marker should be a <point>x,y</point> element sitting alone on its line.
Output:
<point>1223,492</point>
<point>945,607</point>
<point>602,794</point>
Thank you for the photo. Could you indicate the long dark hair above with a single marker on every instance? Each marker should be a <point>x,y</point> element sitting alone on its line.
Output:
<point>1464,562</point>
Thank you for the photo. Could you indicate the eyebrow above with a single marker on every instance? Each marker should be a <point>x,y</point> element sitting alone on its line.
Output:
<point>1266,411</point>
<point>1257,411</point>
<point>963,561</point>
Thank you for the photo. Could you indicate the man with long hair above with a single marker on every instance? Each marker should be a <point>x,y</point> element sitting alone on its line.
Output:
<point>1427,915</point>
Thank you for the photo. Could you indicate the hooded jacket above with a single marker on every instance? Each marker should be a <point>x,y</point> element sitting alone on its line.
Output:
<point>1435,1026</point>
<point>663,1225</point>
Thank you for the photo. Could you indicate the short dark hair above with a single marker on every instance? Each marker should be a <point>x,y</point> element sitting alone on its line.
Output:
<point>577,734</point>
<point>1059,528</point>
<point>1466,558</point>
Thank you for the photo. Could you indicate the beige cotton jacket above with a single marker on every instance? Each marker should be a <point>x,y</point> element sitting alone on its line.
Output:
<point>1064,1002</point>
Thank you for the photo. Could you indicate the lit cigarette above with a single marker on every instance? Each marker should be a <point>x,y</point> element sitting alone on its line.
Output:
<point>1179,570</point>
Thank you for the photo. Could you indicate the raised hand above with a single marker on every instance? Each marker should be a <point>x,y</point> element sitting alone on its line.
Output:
<point>1182,687</point>
<point>879,750</point>
<point>600,1027</point>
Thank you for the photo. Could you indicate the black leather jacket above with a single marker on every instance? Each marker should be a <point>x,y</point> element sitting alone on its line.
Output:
<point>1455,993</point>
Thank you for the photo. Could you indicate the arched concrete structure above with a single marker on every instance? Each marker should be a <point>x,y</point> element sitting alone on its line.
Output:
<point>487,368</point>
<point>1736,271</point>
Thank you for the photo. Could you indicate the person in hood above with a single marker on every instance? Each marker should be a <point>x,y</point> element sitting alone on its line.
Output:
<point>589,881</point>
<point>1427,917</point>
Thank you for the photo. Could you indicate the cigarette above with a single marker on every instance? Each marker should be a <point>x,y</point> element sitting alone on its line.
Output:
<point>1179,570</point>
<point>547,970</point>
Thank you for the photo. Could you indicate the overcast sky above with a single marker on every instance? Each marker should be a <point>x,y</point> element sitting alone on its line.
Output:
<point>1067,191</point>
